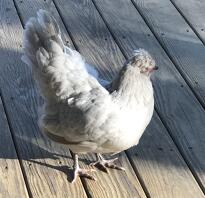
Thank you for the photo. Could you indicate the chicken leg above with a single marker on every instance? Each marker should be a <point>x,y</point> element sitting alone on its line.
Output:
<point>81,172</point>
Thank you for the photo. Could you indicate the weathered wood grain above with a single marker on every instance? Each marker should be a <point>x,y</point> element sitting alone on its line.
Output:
<point>176,104</point>
<point>178,39</point>
<point>193,12</point>
<point>12,183</point>
<point>45,176</point>
<point>117,184</point>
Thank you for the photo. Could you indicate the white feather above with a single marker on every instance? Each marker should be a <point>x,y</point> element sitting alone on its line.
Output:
<point>78,110</point>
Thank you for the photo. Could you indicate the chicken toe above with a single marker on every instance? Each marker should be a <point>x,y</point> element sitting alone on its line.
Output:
<point>103,164</point>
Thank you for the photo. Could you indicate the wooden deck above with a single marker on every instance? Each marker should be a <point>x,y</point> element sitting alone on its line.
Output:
<point>170,158</point>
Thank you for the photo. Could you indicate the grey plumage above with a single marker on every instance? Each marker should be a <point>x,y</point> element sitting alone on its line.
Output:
<point>78,111</point>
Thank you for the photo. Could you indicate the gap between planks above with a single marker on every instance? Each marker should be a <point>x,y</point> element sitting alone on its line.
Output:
<point>15,165</point>
<point>187,20</point>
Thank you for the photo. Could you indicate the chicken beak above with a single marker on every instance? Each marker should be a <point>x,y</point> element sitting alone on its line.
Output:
<point>152,69</point>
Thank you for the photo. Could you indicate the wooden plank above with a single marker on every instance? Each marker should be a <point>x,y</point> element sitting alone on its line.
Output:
<point>176,104</point>
<point>40,157</point>
<point>12,183</point>
<point>117,184</point>
<point>178,39</point>
<point>193,12</point>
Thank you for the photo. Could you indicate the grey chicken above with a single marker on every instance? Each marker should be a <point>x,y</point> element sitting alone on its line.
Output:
<point>78,110</point>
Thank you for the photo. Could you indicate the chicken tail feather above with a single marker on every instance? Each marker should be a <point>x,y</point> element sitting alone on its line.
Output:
<point>42,44</point>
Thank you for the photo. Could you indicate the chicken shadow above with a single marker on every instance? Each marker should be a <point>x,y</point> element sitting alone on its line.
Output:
<point>68,171</point>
